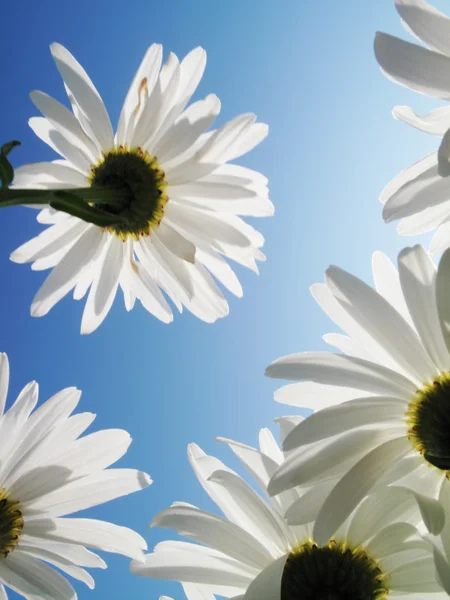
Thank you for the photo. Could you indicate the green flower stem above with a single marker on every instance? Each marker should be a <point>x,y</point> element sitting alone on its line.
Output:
<point>75,206</point>
<point>15,197</point>
<point>78,202</point>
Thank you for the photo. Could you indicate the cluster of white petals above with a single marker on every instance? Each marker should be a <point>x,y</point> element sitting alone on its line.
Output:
<point>206,196</point>
<point>49,470</point>
<point>356,502</point>
<point>243,553</point>
<point>420,195</point>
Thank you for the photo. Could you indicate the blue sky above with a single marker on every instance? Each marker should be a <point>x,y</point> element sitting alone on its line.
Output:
<point>306,69</point>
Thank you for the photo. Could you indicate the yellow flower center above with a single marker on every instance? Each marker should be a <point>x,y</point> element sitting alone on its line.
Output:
<point>140,184</point>
<point>11,524</point>
<point>332,572</point>
<point>428,419</point>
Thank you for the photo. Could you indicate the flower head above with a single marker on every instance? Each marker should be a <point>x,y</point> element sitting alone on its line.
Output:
<point>385,398</point>
<point>420,195</point>
<point>48,471</point>
<point>167,204</point>
<point>254,552</point>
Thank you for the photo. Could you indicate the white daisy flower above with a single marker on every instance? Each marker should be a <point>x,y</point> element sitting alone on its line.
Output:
<point>178,203</point>
<point>47,471</point>
<point>385,399</point>
<point>254,553</point>
<point>420,195</point>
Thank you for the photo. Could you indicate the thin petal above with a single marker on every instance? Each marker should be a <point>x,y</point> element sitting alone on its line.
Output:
<point>96,534</point>
<point>441,239</point>
<point>32,578</point>
<point>48,175</point>
<point>418,278</point>
<point>192,123</point>
<point>64,276</point>
<point>91,491</point>
<point>237,137</point>
<point>192,567</point>
<point>148,72</point>
<point>426,220</point>
<point>355,484</point>
<point>435,122</point>
<point>313,395</point>
<point>214,532</point>
<point>267,585</point>
<point>60,144</point>
<point>443,295</point>
<point>427,23</point>
<point>104,286</point>
<point>335,420</point>
<point>324,460</point>
<point>272,527</point>
<point>4,380</point>
<point>346,371</point>
<point>66,123</point>
<point>86,95</point>
<point>415,67</point>
<point>383,323</point>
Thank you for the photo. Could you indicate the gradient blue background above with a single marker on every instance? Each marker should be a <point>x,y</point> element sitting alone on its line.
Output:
<point>307,69</point>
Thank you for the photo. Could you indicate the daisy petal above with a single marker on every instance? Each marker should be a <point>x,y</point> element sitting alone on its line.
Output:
<point>272,527</point>
<point>47,175</point>
<point>418,278</point>
<point>339,419</point>
<point>267,585</point>
<point>4,381</point>
<point>51,136</point>
<point>435,123</point>
<point>63,277</point>
<point>427,23</point>
<point>441,239</point>
<point>192,567</point>
<point>148,71</point>
<point>346,371</point>
<point>324,460</point>
<point>415,67</point>
<point>91,490</point>
<point>104,286</point>
<point>378,318</point>
<point>90,532</point>
<point>355,484</point>
<point>233,139</point>
<point>32,578</point>
<point>442,570</point>
<point>215,532</point>
<point>426,220</point>
<point>192,123</point>
<point>427,190</point>
<point>443,294</point>
<point>65,123</point>
<point>86,95</point>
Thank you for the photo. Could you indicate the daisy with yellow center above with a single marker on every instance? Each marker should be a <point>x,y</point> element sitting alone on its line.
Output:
<point>382,404</point>
<point>48,471</point>
<point>156,207</point>
<point>253,552</point>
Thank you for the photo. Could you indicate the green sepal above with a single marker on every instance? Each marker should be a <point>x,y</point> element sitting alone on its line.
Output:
<point>6,148</point>
<point>6,169</point>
